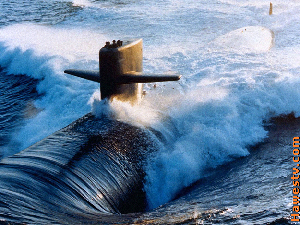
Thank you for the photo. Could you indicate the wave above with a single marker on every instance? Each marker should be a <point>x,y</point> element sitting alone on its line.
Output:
<point>214,115</point>
<point>43,53</point>
<point>207,127</point>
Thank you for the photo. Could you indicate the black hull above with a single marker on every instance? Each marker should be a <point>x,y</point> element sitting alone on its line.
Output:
<point>92,167</point>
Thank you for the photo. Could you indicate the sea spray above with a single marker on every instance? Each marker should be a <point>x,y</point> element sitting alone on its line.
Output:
<point>43,53</point>
<point>213,121</point>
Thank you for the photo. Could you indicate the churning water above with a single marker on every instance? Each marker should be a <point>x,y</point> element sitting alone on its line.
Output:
<point>240,70</point>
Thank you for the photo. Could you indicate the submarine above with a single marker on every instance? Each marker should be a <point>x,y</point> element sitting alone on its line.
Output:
<point>93,167</point>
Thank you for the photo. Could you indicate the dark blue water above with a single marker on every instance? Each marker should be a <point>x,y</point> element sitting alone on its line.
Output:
<point>45,12</point>
<point>17,95</point>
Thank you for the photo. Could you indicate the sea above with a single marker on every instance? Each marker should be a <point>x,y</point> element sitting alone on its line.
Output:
<point>223,133</point>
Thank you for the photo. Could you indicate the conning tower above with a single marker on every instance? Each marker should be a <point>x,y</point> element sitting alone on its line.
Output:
<point>120,71</point>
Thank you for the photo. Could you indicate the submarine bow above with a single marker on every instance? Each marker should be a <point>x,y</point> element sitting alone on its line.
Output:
<point>91,167</point>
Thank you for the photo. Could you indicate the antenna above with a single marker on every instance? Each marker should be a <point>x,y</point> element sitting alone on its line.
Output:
<point>120,75</point>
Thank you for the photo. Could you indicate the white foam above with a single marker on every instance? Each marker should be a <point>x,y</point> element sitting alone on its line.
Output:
<point>252,39</point>
<point>43,53</point>
<point>211,125</point>
<point>214,115</point>
<point>82,3</point>
<point>71,44</point>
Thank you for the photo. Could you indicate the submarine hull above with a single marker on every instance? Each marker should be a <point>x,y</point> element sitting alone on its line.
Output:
<point>91,168</point>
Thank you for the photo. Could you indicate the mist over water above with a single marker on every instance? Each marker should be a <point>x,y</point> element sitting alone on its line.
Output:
<point>43,53</point>
<point>240,68</point>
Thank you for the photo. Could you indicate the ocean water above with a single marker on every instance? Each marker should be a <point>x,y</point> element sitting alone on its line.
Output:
<point>226,128</point>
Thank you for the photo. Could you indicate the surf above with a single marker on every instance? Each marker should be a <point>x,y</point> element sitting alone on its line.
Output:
<point>209,119</point>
